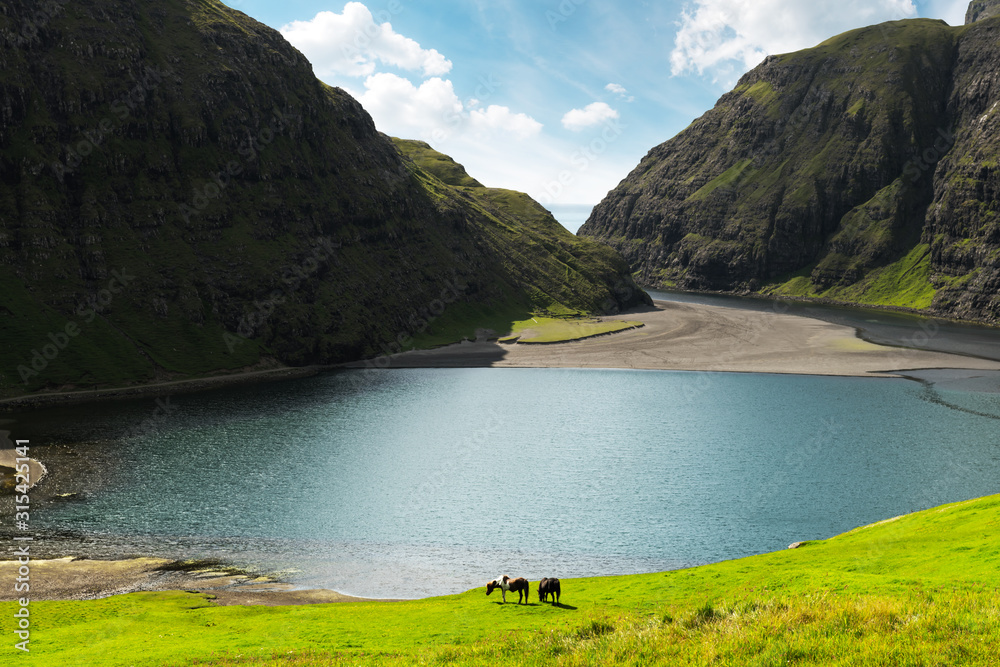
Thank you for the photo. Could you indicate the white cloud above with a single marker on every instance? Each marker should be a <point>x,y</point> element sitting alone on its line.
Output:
<point>503,119</point>
<point>403,109</point>
<point>433,112</point>
<point>620,91</point>
<point>592,114</point>
<point>728,37</point>
<point>351,43</point>
<point>499,146</point>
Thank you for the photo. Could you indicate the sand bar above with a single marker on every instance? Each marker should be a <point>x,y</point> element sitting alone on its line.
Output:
<point>696,337</point>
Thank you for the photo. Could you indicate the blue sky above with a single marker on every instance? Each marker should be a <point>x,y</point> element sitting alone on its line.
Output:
<point>558,98</point>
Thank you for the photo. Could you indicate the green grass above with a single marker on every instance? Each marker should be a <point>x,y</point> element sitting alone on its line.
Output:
<point>512,323</point>
<point>560,330</point>
<point>441,166</point>
<point>916,590</point>
<point>905,283</point>
<point>728,178</point>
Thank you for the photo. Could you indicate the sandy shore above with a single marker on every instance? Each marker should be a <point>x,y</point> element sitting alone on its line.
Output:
<point>73,579</point>
<point>695,337</point>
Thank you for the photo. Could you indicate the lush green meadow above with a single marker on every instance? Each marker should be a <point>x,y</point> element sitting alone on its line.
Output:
<point>917,590</point>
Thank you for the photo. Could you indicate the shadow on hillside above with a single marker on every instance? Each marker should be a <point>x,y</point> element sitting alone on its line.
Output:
<point>460,355</point>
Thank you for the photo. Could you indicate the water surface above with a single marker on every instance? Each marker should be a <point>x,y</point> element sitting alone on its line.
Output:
<point>369,481</point>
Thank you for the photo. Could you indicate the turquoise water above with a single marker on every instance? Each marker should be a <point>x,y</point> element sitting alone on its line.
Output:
<point>368,481</point>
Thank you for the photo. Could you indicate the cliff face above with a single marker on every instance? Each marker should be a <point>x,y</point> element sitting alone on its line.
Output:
<point>180,195</point>
<point>862,170</point>
<point>982,9</point>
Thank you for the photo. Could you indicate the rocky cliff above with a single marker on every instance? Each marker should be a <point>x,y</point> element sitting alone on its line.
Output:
<point>862,170</point>
<point>179,195</point>
<point>982,9</point>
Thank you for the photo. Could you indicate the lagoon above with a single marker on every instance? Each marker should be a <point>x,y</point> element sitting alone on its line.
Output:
<point>368,481</point>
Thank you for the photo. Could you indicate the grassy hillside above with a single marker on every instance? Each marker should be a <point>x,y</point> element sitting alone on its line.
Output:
<point>921,589</point>
<point>565,276</point>
<point>180,197</point>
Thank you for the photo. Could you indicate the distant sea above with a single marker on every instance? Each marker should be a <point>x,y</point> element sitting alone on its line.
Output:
<point>571,216</point>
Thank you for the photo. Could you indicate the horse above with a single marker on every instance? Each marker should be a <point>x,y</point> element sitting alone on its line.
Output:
<point>505,583</point>
<point>547,587</point>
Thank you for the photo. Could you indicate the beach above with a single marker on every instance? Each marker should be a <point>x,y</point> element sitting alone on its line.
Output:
<point>696,337</point>
<point>69,578</point>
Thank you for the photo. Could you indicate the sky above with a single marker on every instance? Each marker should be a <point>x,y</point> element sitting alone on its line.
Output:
<point>556,98</point>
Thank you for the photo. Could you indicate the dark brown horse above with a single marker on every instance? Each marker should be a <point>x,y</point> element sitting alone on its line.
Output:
<point>505,583</point>
<point>547,587</point>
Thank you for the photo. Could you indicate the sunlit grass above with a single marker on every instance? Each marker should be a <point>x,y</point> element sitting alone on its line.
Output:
<point>560,330</point>
<point>921,589</point>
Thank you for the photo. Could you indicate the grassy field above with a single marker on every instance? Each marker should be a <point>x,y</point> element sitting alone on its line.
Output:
<point>560,330</point>
<point>921,589</point>
<point>905,283</point>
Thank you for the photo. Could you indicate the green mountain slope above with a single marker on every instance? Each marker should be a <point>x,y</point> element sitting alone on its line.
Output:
<point>180,196</point>
<point>861,170</point>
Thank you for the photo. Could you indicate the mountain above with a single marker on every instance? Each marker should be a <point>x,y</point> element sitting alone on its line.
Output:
<point>180,196</point>
<point>863,170</point>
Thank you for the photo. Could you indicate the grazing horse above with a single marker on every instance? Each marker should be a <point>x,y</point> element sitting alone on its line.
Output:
<point>547,587</point>
<point>505,583</point>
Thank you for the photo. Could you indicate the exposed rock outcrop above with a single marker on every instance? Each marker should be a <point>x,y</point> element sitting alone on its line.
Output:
<point>862,170</point>
<point>982,9</point>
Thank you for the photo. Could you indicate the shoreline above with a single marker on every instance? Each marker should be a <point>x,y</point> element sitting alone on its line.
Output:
<point>75,578</point>
<point>156,389</point>
<point>469,354</point>
<point>680,336</point>
<point>824,301</point>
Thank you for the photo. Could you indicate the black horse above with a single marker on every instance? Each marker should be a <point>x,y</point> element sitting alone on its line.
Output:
<point>547,587</point>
